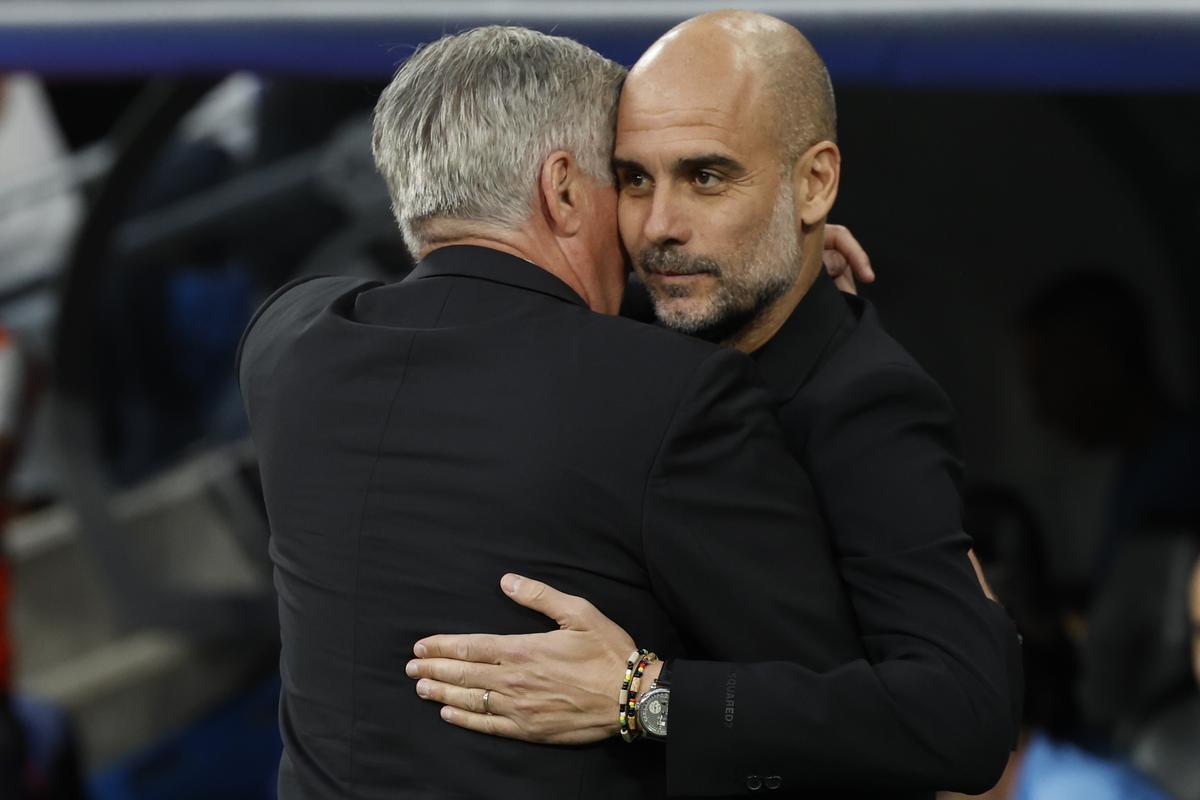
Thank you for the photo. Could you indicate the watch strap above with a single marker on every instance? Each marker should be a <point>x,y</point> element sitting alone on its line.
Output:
<point>663,681</point>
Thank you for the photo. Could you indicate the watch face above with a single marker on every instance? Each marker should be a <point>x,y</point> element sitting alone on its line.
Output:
<point>652,713</point>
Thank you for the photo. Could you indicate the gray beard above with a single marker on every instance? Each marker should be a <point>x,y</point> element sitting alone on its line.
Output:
<point>765,276</point>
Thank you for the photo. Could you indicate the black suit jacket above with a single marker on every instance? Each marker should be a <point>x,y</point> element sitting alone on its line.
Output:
<point>932,705</point>
<point>419,439</point>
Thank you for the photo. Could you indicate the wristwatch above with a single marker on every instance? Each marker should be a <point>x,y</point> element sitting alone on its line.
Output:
<point>652,707</point>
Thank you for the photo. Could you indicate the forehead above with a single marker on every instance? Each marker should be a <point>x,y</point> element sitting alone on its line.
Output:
<point>671,112</point>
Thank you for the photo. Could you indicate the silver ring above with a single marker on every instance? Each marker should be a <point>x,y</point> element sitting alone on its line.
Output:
<point>487,694</point>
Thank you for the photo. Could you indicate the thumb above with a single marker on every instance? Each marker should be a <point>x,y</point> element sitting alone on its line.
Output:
<point>569,611</point>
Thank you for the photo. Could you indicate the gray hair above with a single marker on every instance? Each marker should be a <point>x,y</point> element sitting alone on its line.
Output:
<point>462,130</point>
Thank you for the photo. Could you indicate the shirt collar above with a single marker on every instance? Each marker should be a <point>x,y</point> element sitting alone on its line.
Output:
<point>786,361</point>
<point>470,261</point>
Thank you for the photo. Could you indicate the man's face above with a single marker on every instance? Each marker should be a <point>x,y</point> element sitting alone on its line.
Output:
<point>706,210</point>
<point>1194,615</point>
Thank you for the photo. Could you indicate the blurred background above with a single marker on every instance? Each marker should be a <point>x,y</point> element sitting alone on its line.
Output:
<point>1025,176</point>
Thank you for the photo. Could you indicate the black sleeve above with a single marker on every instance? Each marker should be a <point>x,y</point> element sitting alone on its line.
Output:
<point>929,707</point>
<point>738,553</point>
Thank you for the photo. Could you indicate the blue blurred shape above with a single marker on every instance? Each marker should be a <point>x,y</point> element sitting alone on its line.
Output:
<point>1053,770</point>
<point>233,754</point>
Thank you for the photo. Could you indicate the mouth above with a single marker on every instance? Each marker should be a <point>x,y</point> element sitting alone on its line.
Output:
<point>673,268</point>
<point>670,275</point>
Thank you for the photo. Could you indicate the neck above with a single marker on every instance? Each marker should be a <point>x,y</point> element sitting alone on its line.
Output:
<point>767,324</point>
<point>546,253</point>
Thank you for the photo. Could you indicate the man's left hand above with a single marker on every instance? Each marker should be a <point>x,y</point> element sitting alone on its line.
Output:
<point>558,687</point>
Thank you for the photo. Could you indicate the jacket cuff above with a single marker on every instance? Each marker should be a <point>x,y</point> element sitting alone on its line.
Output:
<point>706,722</point>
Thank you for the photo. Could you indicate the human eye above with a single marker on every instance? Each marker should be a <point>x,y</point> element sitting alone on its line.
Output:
<point>633,180</point>
<point>706,179</point>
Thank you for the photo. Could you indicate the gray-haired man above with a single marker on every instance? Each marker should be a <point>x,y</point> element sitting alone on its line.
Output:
<point>418,439</point>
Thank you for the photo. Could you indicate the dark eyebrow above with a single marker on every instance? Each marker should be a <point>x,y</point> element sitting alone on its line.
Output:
<point>685,166</point>
<point>620,164</point>
<point>710,160</point>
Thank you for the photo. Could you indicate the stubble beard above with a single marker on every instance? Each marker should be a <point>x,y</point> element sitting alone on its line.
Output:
<point>744,290</point>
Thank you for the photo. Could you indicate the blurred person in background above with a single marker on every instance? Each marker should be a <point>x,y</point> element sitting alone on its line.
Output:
<point>38,757</point>
<point>1088,350</point>
<point>34,230</point>
<point>13,387</point>
<point>1049,762</point>
<point>12,738</point>
<point>1092,367</point>
<point>1194,618</point>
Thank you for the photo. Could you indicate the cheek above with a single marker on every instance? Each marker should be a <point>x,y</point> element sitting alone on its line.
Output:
<point>721,230</point>
<point>630,216</point>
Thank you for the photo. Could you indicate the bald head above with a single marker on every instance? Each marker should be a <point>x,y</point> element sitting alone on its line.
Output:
<point>727,172</point>
<point>740,58</point>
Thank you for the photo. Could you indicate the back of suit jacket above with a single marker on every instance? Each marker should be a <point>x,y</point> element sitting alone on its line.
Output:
<point>417,440</point>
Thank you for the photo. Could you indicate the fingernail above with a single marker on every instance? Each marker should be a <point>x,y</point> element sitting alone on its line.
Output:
<point>410,669</point>
<point>447,713</point>
<point>510,583</point>
<point>423,688</point>
<point>419,650</point>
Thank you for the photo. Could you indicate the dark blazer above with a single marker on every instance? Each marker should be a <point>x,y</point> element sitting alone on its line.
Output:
<point>931,706</point>
<point>419,439</point>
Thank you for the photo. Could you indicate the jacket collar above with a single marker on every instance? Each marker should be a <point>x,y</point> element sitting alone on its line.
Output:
<point>786,361</point>
<point>470,261</point>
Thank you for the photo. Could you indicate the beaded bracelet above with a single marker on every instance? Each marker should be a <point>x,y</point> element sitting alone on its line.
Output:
<point>628,714</point>
<point>623,700</point>
<point>635,689</point>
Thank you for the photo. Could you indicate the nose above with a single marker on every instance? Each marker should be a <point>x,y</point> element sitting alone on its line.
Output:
<point>666,224</point>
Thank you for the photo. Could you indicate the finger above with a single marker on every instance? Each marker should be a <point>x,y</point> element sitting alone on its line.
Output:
<point>493,725</point>
<point>845,282</point>
<point>459,673</point>
<point>840,239</point>
<point>983,581</point>
<point>482,648</point>
<point>835,263</point>
<point>467,699</point>
<point>567,610</point>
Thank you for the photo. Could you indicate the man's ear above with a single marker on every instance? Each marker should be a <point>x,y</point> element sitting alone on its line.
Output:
<point>815,182</point>
<point>562,193</point>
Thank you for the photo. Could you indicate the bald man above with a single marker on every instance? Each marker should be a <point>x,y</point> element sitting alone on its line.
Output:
<point>727,167</point>
<point>1194,616</point>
